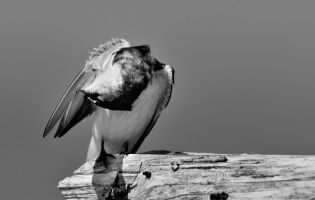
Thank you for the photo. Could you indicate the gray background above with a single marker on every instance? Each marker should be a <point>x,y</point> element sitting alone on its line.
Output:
<point>245,79</point>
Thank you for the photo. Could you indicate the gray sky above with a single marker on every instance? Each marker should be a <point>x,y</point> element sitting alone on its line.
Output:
<point>245,79</point>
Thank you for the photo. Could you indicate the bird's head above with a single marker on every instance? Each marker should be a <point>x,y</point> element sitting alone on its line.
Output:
<point>121,72</point>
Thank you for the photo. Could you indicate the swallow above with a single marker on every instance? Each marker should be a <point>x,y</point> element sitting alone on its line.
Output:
<point>124,88</point>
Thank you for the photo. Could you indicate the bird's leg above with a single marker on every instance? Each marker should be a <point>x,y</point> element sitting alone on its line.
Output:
<point>125,149</point>
<point>103,155</point>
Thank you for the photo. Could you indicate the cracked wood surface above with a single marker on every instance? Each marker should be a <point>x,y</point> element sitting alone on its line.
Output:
<point>173,175</point>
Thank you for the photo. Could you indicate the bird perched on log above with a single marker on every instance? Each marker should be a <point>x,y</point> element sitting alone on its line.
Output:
<point>125,89</point>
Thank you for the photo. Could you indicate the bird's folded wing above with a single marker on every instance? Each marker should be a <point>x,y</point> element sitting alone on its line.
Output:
<point>168,73</point>
<point>74,106</point>
<point>70,103</point>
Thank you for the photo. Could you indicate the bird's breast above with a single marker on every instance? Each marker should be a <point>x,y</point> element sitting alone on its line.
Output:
<point>120,127</point>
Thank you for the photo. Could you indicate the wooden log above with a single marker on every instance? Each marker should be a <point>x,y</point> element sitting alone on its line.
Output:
<point>173,175</point>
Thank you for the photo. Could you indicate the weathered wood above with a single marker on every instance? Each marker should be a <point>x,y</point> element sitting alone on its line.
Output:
<point>194,176</point>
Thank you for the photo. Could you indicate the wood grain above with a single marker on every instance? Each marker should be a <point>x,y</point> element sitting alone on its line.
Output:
<point>173,175</point>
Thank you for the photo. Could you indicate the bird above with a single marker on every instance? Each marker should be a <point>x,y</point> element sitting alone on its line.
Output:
<point>124,89</point>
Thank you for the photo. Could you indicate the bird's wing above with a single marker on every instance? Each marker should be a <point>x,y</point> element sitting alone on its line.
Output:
<point>168,73</point>
<point>74,106</point>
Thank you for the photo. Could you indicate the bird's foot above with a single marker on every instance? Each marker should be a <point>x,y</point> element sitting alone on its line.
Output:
<point>102,158</point>
<point>125,150</point>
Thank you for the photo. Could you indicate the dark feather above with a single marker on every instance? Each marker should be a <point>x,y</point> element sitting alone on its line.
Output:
<point>78,109</point>
<point>81,79</point>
